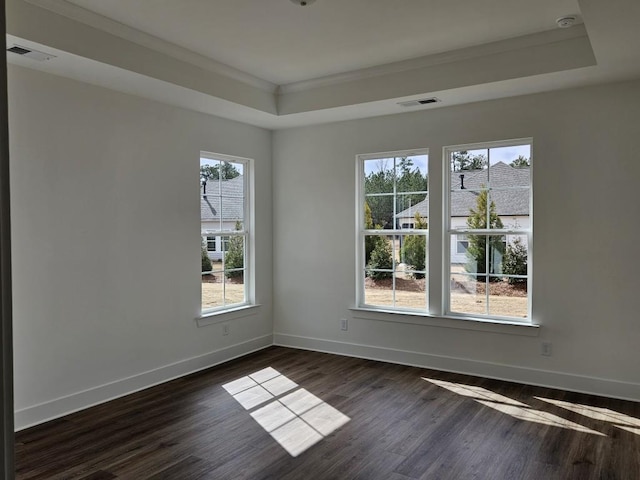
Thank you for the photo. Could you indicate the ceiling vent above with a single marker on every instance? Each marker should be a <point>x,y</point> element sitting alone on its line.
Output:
<point>30,53</point>
<point>422,101</point>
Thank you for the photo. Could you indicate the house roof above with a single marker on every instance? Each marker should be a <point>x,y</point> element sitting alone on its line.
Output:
<point>230,193</point>
<point>509,192</point>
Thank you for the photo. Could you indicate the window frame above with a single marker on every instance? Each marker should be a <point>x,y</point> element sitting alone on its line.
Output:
<point>448,232</point>
<point>438,240</point>
<point>361,232</point>
<point>246,233</point>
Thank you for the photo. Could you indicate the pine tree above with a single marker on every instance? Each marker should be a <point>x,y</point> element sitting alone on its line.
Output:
<point>413,250</point>
<point>477,250</point>
<point>234,258</point>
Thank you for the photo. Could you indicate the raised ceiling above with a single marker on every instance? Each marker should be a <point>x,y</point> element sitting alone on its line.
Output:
<point>284,43</point>
<point>278,65</point>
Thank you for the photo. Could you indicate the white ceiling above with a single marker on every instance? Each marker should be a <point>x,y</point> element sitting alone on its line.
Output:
<point>274,64</point>
<point>285,43</point>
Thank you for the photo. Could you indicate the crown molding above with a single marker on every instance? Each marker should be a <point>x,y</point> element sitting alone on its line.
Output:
<point>501,46</point>
<point>100,22</point>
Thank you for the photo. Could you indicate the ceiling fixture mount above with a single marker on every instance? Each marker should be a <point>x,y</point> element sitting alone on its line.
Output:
<point>303,3</point>
<point>566,22</point>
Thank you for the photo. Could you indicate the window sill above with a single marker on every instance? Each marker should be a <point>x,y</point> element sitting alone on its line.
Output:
<point>461,323</point>
<point>221,316</point>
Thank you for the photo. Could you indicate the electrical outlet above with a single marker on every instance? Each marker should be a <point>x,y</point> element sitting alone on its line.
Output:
<point>545,349</point>
<point>344,325</point>
<point>225,329</point>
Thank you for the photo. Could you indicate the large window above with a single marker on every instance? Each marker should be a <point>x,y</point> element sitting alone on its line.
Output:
<point>481,269</point>
<point>489,205</point>
<point>225,230</point>
<point>393,230</point>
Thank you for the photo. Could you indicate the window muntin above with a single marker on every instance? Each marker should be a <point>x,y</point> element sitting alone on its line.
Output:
<point>224,217</point>
<point>392,195</point>
<point>489,203</point>
<point>497,173</point>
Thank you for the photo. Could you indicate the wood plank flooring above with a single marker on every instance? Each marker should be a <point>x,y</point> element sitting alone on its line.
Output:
<point>404,423</point>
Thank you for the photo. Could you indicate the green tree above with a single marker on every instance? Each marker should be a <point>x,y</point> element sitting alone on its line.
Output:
<point>234,257</point>
<point>413,250</point>
<point>369,240</point>
<point>477,250</point>
<point>521,162</point>
<point>515,261</point>
<point>409,179</point>
<point>404,178</point>
<point>463,160</point>
<point>381,258</point>
<point>380,181</point>
<point>206,261</point>
<point>212,172</point>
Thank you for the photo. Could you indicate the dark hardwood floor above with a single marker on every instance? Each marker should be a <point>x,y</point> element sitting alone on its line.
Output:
<point>400,426</point>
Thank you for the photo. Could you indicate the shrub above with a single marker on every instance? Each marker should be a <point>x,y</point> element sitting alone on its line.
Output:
<point>206,261</point>
<point>477,250</point>
<point>369,240</point>
<point>413,250</point>
<point>234,258</point>
<point>381,258</point>
<point>515,261</point>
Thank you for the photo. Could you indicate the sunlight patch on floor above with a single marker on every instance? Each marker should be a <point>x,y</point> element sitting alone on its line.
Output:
<point>511,407</point>
<point>297,420</point>
<point>617,419</point>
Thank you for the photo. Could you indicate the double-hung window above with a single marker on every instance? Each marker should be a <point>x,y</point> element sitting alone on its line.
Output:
<point>482,265</point>
<point>392,226</point>
<point>488,204</point>
<point>225,228</point>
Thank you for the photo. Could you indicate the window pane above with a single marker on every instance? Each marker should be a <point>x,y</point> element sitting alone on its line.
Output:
<point>408,206</point>
<point>378,293</point>
<point>467,294</point>
<point>496,247</point>
<point>507,303</point>
<point>381,208</point>
<point>411,173</point>
<point>469,169</point>
<point>378,175</point>
<point>517,156</point>
<point>212,291</point>
<point>234,287</point>
<point>378,257</point>
<point>234,255</point>
<point>231,170</point>
<point>410,272</point>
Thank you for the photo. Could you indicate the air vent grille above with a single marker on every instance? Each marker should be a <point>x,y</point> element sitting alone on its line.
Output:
<point>422,101</point>
<point>30,53</point>
<point>18,50</point>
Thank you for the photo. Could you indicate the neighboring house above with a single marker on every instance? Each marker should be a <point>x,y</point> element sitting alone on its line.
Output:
<point>221,206</point>
<point>512,203</point>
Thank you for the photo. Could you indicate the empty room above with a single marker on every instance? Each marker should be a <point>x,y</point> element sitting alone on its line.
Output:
<point>321,239</point>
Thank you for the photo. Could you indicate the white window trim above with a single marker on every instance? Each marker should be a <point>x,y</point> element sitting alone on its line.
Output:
<point>447,231</point>
<point>236,310</point>
<point>360,231</point>
<point>438,295</point>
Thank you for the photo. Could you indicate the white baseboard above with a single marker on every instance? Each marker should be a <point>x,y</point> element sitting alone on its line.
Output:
<point>524,375</point>
<point>36,414</point>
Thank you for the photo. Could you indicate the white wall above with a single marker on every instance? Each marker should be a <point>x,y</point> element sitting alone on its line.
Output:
<point>586,196</point>
<point>106,242</point>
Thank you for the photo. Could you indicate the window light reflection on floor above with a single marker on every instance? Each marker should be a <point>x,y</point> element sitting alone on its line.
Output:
<point>297,420</point>
<point>511,407</point>
<point>617,419</point>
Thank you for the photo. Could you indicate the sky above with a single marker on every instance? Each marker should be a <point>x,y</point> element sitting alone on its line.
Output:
<point>498,154</point>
